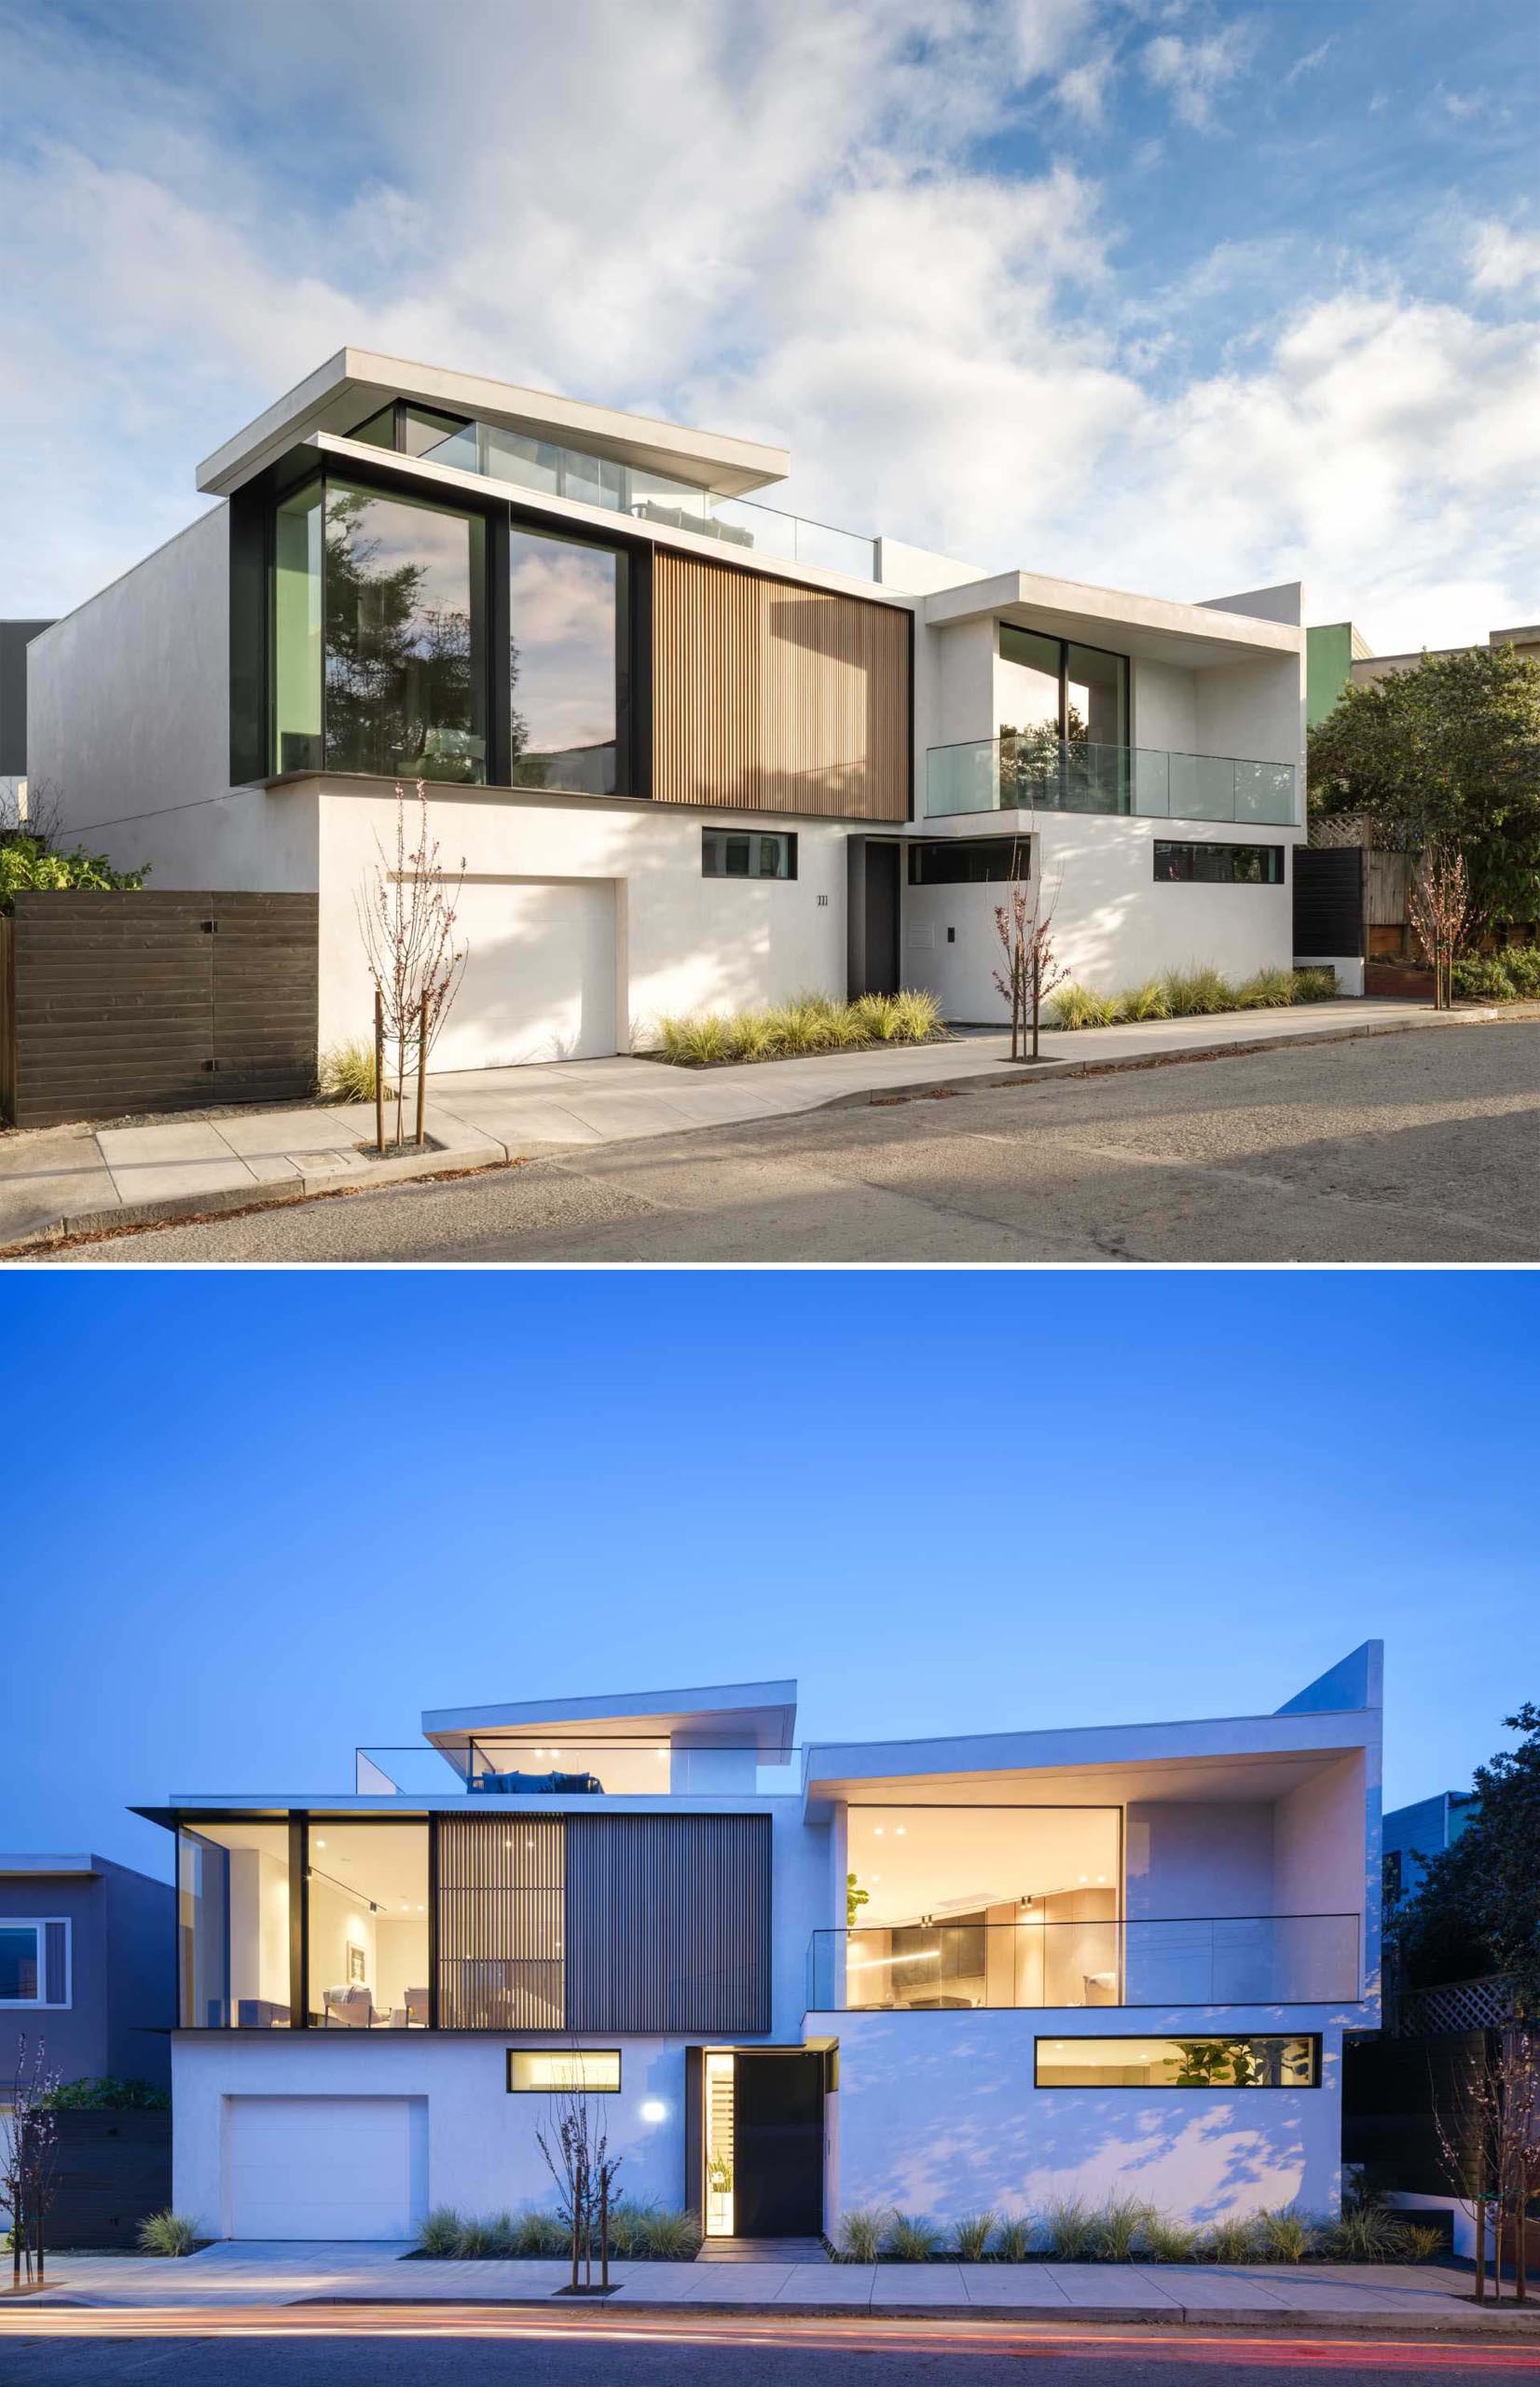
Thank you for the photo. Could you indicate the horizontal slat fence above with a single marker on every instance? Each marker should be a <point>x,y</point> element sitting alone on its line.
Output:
<point>117,1004</point>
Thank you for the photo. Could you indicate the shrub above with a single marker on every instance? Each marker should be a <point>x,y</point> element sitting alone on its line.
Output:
<point>1013,2240</point>
<point>1267,989</point>
<point>1076,1006</point>
<point>1314,986</point>
<point>806,1023</point>
<point>1523,965</point>
<point>478,2239</point>
<point>1367,2233</point>
<point>27,862</point>
<point>1193,993</point>
<point>167,2233</point>
<point>970,2237</point>
<point>912,2237</point>
<point>1148,1002</point>
<point>861,2235</point>
<point>1423,2242</point>
<point>547,2233</point>
<point>669,2237</point>
<point>1285,2236</point>
<point>347,1071</point>
<point>1119,2222</point>
<point>918,1014</point>
<point>750,1036</point>
<point>1232,2239</point>
<point>439,2233</point>
<point>1162,2240</point>
<point>106,2095</point>
<point>1071,2230</point>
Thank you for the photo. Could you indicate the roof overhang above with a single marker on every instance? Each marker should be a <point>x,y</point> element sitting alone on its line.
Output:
<point>52,1869</point>
<point>355,382</point>
<point>1153,628</point>
<point>758,1716</point>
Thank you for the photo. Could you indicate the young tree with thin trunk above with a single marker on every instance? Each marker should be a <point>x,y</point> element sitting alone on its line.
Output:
<point>28,2140</point>
<point>1438,907</point>
<point>576,2148</point>
<point>1489,2142</point>
<point>408,918</point>
<point>1025,925</point>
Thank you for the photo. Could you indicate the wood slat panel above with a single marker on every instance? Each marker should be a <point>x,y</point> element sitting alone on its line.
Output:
<point>668,1923</point>
<point>770,697</point>
<point>502,1922</point>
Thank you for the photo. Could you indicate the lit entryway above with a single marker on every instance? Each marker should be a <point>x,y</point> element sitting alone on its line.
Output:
<point>539,980</point>
<point>325,2167</point>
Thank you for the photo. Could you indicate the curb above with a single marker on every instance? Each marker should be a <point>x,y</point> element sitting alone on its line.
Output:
<point>490,1154</point>
<point>1099,2315</point>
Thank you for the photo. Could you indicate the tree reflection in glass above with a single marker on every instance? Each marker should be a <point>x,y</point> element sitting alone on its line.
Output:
<point>403,640</point>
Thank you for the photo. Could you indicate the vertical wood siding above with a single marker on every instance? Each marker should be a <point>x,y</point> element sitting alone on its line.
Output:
<point>769,697</point>
<point>500,1923</point>
<point>668,1923</point>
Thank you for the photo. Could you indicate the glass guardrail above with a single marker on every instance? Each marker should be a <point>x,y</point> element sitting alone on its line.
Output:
<point>956,1962</point>
<point>564,1768</point>
<point>1030,774</point>
<point>550,470</point>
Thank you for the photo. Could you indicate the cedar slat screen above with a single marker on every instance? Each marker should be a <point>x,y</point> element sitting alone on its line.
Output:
<point>668,1923</point>
<point>769,697</point>
<point>502,1922</point>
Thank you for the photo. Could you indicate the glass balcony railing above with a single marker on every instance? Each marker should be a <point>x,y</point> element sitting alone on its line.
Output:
<point>550,470</point>
<point>1033,774</point>
<point>1241,1960</point>
<point>562,1767</point>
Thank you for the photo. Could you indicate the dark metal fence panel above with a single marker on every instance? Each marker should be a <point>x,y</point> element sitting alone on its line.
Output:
<point>112,2169</point>
<point>115,1003</point>
<point>1329,899</point>
<point>668,1923</point>
<point>500,1922</point>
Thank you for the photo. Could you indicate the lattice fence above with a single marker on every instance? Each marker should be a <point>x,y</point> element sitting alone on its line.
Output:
<point>1454,2006</point>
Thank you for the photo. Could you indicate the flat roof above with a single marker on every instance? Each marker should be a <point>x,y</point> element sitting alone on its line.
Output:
<point>53,1868</point>
<point>1159,630</point>
<point>355,382</point>
<point>742,1715</point>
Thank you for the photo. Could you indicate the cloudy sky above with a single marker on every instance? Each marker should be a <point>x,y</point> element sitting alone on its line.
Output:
<point>1176,295</point>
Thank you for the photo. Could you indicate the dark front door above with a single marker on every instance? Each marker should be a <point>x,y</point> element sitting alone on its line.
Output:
<point>882,919</point>
<point>778,2146</point>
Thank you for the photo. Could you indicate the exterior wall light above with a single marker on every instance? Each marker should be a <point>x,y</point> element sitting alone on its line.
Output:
<point>655,2110</point>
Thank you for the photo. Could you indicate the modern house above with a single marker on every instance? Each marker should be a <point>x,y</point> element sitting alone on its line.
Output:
<point>691,749</point>
<point>86,1968</point>
<point>945,1974</point>
<point>1413,1834</point>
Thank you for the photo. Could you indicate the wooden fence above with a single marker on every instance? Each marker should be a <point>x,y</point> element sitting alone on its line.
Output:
<point>117,1004</point>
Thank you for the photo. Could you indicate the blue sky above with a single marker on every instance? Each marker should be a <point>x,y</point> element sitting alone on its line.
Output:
<point>1183,295</point>
<point>258,1519</point>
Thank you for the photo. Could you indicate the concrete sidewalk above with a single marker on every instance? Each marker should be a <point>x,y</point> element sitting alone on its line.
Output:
<point>1430,2295</point>
<point>79,1179</point>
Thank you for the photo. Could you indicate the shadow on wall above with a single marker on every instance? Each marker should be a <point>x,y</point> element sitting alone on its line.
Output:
<point>949,2129</point>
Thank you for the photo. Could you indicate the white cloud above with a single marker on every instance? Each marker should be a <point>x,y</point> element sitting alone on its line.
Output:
<point>1311,60</point>
<point>1195,72</point>
<point>1503,257</point>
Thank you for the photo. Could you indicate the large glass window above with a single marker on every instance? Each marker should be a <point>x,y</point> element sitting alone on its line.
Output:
<point>1049,689</point>
<point>564,599</point>
<point>1207,2062</point>
<point>368,1925</point>
<point>982,1906</point>
<point>296,633</point>
<point>1030,669</point>
<point>1096,698</point>
<point>232,1912</point>
<point>404,639</point>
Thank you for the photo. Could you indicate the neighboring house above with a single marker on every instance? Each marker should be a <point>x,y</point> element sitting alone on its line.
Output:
<point>15,638</point>
<point>1413,1834</point>
<point>86,1968</point>
<point>692,751</point>
<point>1338,655</point>
<point>976,1971</point>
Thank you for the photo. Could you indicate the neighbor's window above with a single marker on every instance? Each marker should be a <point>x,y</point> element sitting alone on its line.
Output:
<point>1215,865</point>
<point>1209,2062</point>
<point>583,2068</point>
<point>35,1964</point>
<point>404,638</point>
<point>969,862</point>
<point>565,636</point>
<point>746,853</point>
<point>232,1926</point>
<point>367,1925</point>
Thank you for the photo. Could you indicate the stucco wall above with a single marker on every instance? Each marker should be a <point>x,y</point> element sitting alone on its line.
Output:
<point>1198,1857</point>
<point>937,2113</point>
<point>75,2037</point>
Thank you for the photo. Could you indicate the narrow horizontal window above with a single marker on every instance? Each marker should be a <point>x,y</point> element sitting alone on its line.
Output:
<point>588,2070</point>
<point>1207,2062</point>
<point>1215,865</point>
<point>746,853</point>
<point>969,862</point>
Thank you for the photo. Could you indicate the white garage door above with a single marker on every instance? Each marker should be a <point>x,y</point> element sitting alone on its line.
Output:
<point>539,982</point>
<point>325,2167</point>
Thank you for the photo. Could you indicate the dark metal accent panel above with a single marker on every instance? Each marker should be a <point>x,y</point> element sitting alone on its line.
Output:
<point>777,2145</point>
<point>668,1923</point>
<point>1329,899</point>
<point>250,516</point>
<point>500,1922</point>
<point>695,2130</point>
<point>112,2169</point>
<point>882,919</point>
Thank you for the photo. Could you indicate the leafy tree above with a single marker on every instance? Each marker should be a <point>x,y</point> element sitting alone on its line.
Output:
<point>1447,754</point>
<point>1477,1908</point>
<point>29,862</point>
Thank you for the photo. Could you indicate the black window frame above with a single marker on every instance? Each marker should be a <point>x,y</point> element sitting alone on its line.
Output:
<point>609,2090</point>
<point>1228,847</point>
<point>920,847</point>
<point>1030,630</point>
<point>253,623</point>
<point>787,837</point>
<point>1312,2040</point>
